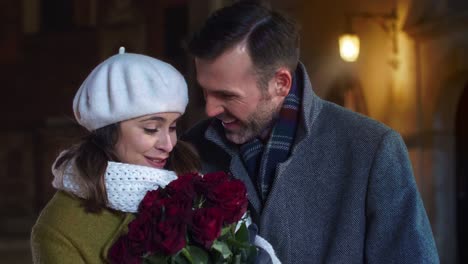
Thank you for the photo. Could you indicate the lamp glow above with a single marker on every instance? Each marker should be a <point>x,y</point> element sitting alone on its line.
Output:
<point>349,47</point>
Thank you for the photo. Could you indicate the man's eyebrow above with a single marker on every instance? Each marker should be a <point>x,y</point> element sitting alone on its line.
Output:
<point>224,92</point>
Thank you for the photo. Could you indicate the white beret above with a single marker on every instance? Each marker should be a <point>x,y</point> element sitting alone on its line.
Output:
<point>127,86</point>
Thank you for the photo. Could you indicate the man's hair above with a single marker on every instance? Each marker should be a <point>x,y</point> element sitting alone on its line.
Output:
<point>272,39</point>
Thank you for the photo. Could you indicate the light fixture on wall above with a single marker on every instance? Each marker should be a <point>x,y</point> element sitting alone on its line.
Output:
<point>349,46</point>
<point>349,41</point>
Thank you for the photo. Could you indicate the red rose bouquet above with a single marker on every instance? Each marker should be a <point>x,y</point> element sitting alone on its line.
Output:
<point>194,219</point>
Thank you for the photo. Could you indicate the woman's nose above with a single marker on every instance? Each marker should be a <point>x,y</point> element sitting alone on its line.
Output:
<point>165,143</point>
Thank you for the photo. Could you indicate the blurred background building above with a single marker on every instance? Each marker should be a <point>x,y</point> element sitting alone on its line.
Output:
<point>411,74</point>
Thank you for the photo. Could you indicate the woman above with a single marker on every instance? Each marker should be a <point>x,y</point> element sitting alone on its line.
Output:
<point>130,105</point>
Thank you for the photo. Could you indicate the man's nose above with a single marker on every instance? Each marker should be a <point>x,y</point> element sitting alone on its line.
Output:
<point>213,106</point>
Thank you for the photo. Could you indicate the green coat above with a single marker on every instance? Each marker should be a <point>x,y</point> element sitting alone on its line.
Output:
<point>65,233</point>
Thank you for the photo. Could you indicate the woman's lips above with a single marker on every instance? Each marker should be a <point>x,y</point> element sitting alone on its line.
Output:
<point>156,162</point>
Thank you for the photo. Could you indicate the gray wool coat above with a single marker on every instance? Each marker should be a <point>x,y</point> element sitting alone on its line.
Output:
<point>346,194</point>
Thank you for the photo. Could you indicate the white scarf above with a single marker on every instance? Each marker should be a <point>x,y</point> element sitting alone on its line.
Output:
<point>126,184</point>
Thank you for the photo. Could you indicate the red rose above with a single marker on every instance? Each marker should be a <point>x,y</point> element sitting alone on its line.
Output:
<point>150,198</point>
<point>138,232</point>
<point>183,185</point>
<point>169,236</point>
<point>231,197</point>
<point>178,206</point>
<point>155,212</point>
<point>166,223</point>
<point>206,225</point>
<point>219,176</point>
<point>204,185</point>
<point>119,253</point>
<point>165,216</point>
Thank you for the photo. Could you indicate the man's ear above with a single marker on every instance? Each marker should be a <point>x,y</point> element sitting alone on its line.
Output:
<point>283,82</point>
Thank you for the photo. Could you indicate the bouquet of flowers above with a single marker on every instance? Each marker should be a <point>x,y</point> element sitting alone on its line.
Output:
<point>194,219</point>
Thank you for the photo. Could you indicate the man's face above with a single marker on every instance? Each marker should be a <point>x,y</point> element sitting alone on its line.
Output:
<point>232,94</point>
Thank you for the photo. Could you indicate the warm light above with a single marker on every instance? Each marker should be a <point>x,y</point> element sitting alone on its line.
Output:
<point>349,47</point>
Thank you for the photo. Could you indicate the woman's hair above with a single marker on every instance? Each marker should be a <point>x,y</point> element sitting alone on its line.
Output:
<point>184,158</point>
<point>91,156</point>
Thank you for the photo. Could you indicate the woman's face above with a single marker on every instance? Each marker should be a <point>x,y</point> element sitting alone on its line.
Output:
<point>147,140</point>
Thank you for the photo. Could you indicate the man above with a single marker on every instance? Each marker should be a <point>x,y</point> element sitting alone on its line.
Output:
<point>325,185</point>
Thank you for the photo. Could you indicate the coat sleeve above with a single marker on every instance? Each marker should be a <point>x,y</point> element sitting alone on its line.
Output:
<point>51,247</point>
<point>397,229</point>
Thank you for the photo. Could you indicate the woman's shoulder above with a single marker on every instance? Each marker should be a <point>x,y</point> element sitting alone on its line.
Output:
<point>64,214</point>
<point>59,209</point>
<point>64,229</point>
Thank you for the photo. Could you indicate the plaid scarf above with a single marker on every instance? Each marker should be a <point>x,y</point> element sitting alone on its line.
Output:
<point>261,160</point>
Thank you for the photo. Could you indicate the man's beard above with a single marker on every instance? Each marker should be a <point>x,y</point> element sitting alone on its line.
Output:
<point>259,123</point>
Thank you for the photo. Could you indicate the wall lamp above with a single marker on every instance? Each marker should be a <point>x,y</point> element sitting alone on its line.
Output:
<point>349,41</point>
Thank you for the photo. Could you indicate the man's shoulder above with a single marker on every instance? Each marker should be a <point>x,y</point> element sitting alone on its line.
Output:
<point>345,121</point>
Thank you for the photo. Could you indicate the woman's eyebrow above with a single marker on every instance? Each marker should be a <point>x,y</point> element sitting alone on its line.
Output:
<point>158,118</point>
<point>154,118</point>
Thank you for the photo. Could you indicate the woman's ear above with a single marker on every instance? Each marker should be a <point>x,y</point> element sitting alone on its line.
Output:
<point>283,82</point>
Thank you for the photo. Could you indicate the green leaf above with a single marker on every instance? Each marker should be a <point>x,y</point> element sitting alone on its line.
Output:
<point>187,254</point>
<point>195,254</point>
<point>251,254</point>
<point>155,259</point>
<point>225,230</point>
<point>242,235</point>
<point>234,244</point>
<point>180,259</point>
<point>237,259</point>
<point>222,248</point>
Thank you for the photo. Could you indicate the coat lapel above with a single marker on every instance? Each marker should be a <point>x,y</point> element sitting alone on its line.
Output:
<point>120,230</point>
<point>239,171</point>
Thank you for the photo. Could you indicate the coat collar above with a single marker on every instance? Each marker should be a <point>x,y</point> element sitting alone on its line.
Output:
<point>311,104</point>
